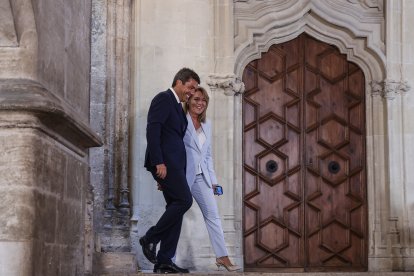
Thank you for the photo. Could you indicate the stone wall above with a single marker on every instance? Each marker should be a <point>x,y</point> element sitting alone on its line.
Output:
<point>109,116</point>
<point>44,137</point>
<point>167,38</point>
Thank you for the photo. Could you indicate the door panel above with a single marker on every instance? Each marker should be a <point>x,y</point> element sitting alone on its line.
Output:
<point>304,160</point>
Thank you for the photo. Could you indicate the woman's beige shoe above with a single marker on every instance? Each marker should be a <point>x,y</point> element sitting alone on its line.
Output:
<point>225,262</point>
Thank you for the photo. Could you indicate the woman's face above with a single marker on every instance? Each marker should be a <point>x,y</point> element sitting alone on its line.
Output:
<point>197,103</point>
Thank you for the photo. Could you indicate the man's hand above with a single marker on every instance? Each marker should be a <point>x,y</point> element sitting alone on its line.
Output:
<point>161,171</point>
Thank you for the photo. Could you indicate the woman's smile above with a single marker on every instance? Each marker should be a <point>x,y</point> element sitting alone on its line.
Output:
<point>198,103</point>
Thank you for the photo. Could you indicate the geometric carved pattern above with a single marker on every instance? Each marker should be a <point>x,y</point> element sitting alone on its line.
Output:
<point>305,195</point>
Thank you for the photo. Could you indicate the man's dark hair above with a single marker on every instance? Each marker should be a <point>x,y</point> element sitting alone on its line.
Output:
<point>184,75</point>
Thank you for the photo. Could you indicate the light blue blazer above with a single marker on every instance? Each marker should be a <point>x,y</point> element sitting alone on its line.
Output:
<point>199,155</point>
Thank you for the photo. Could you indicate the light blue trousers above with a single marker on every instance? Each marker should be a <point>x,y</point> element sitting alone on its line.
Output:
<point>204,197</point>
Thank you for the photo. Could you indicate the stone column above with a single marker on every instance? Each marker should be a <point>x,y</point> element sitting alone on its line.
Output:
<point>378,202</point>
<point>387,198</point>
<point>407,107</point>
<point>44,137</point>
<point>110,90</point>
<point>226,89</point>
<point>394,91</point>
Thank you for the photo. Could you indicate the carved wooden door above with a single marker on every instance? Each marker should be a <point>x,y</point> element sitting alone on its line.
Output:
<point>304,192</point>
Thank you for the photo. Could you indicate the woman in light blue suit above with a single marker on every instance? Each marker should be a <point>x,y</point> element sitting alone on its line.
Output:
<point>200,173</point>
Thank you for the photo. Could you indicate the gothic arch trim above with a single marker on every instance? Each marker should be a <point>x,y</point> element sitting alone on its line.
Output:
<point>354,26</point>
<point>356,34</point>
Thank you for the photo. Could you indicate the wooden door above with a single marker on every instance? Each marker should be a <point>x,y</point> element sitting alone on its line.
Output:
<point>304,192</point>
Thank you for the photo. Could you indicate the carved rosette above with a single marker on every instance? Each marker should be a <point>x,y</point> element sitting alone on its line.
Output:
<point>389,89</point>
<point>229,84</point>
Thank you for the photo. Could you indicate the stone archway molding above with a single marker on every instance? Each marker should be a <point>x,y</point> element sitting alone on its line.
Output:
<point>356,28</point>
<point>353,26</point>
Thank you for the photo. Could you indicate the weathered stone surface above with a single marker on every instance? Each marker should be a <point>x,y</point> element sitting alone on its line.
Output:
<point>77,175</point>
<point>8,36</point>
<point>110,118</point>
<point>16,191</point>
<point>37,206</point>
<point>69,223</point>
<point>18,39</point>
<point>219,273</point>
<point>17,218</point>
<point>44,135</point>
<point>76,266</point>
<point>114,263</point>
<point>11,256</point>
<point>53,112</point>
<point>46,217</point>
<point>47,260</point>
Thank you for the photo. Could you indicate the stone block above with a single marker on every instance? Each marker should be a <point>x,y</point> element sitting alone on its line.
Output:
<point>98,118</point>
<point>16,218</point>
<point>50,30</point>
<point>114,263</point>
<point>77,176</point>
<point>11,256</point>
<point>16,159</point>
<point>77,87</point>
<point>69,222</point>
<point>77,23</point>
<point>47,259</point>
<point>8,35</point>
<point>45,223</point>
<point>75,266</point>
<point>54,170</point>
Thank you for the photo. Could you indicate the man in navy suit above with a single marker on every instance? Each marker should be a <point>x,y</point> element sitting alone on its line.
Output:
<point>165,158</point>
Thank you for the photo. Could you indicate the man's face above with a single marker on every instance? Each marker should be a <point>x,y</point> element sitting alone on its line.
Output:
<point>184,91</point>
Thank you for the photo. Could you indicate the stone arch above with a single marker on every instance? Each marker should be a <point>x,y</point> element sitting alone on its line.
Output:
<point>333,22</point>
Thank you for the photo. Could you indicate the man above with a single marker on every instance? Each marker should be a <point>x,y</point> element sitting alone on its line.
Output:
<point>165,158</point>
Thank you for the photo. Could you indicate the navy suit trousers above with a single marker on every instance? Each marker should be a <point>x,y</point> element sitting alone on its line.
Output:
<point>179,199</point>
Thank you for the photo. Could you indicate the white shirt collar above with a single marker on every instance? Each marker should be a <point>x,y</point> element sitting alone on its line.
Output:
<point>175,94</point>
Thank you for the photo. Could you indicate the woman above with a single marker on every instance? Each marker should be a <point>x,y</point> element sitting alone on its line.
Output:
<point>200,172</point>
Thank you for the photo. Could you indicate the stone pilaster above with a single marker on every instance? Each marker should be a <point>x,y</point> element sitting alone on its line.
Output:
<point>226,92</point>
<point>110,90</point>
<point>44,137</point>
<point>44,181</point>
<point>391,245</point>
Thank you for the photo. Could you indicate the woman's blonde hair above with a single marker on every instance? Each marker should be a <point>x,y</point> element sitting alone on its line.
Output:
<point>202,116</point>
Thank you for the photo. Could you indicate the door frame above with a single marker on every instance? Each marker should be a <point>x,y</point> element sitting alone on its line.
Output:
<point>371,59</point>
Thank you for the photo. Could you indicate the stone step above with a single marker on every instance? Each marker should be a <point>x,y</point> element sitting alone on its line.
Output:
<point>219,273</point>
<point>113,263</point>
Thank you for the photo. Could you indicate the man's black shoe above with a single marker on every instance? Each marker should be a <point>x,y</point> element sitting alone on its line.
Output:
<point>171,268</point>
<point>149,249</point>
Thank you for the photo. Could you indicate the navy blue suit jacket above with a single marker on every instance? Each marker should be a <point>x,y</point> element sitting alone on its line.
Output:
<point>166,126</point>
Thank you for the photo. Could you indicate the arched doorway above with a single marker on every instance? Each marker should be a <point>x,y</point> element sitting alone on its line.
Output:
<point>304,160</point>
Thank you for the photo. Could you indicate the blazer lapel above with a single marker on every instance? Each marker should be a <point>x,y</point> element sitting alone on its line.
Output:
<point>206,129</point>
<point>179,109</point>
<point>193,132</point>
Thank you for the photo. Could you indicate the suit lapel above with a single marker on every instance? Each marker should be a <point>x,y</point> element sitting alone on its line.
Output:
<point>193,132</point>
<point>206,130</point>
<point>178,107</point>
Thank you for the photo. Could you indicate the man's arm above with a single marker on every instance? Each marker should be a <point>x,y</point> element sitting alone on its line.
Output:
<point>157,116</point>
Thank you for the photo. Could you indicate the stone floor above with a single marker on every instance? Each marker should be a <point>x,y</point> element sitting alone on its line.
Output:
<point>218,273</point>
